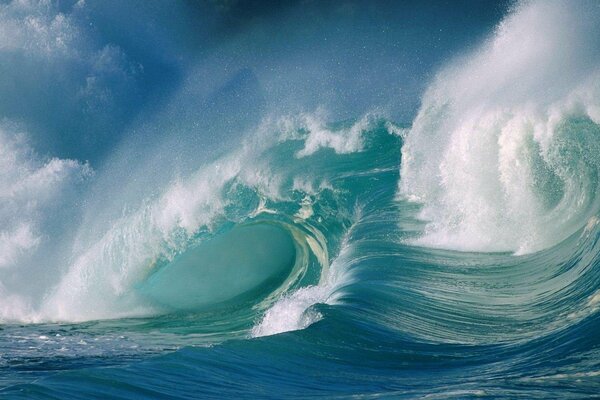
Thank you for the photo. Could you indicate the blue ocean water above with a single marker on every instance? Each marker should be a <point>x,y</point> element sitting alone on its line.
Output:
<point>246,199</point>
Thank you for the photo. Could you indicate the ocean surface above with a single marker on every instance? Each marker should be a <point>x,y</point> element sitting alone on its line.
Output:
<point>247,199</point>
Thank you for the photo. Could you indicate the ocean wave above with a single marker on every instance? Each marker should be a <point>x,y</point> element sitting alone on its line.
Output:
<point>504,151</point>
<point>229,237</point>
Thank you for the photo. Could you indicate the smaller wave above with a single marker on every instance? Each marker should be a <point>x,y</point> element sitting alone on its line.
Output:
<point>503,153</point>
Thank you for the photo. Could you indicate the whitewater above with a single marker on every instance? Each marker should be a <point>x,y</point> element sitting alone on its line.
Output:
<point>338,200</point>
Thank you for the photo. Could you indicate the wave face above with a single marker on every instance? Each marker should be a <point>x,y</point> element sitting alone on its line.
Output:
<point>182,215</point>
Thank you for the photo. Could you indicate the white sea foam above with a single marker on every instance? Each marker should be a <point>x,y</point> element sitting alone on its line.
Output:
<point>504,152</point>
<point>312,128</point>
<point>31,189</point>
<point>293,312</point>
<point>29,186</point>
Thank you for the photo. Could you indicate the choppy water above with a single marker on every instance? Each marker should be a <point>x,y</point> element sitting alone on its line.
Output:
<point>170,229</point>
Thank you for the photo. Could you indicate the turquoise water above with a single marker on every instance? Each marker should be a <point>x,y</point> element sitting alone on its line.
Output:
<point>285,253</point>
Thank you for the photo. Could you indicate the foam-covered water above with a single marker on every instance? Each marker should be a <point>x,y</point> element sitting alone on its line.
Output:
<point>182,215</point>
